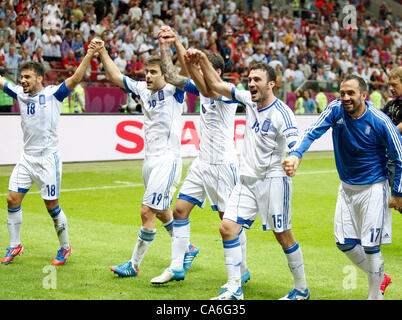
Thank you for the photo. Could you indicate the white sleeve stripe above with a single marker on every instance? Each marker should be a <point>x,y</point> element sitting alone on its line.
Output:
<point>315,124</point>
<point>284,113</point>
<point>388,123</point>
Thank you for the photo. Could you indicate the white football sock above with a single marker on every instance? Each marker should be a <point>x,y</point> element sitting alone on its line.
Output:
<point>60,225</point>
<point>169,226</point>
<point>243,245</point>
<point>294,256</point>
<point>14,221</point>
<point>233,257</point>
<point>180,242</point>
<point>375,274</point>
<point>145,237</point>
<point>357,255</point>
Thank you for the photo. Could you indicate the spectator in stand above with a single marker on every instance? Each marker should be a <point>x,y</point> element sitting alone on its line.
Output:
<point>71,23</point>
<point>24,19</point>
<point>21,35</point>
<point>86,26</point>
<point>121,61</point>
<point>135,12</point>
<point>308,103</point>
<point>128,47</point>
<point>70,63</point>
<point>67,43</point>
<point>145,48</point>
<point>289,76</point>
<point>37,56</point>
<point>35,28</point>
<point>78,46</point>
<point>24,56</point>
<point>11,59</point>
<point>299,109</point>
<point>135,68</point>
<point>6,101</point>
<point>4,32</point>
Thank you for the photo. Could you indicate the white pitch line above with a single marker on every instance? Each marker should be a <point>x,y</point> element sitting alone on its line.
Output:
<point>127,184</point>
<point>90,188</point>
<point>317,172</point>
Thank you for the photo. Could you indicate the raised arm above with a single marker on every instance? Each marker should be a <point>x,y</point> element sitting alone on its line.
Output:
<point>166,38</point>
<point>112,71</point>
<point>2,82</point>
<point>212,78</point>
<point>79,73</point>
<point>188,69</point>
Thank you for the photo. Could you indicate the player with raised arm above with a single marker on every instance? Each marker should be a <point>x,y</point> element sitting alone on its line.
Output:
<point>213,173</point>
<point>162,106</point>
<point>40,162</point>
<point>362,136</point>
<point>263,188</point>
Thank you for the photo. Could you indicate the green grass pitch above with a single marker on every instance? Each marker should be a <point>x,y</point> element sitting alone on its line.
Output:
<point>102,203</point>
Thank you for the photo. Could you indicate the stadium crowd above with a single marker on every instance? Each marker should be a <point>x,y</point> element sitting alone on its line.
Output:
<point>302,40</point>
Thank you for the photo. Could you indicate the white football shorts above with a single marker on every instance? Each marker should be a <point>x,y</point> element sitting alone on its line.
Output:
<point>44,171</point>
<point>362,214</point>
<point>215,181</point>
<point>268,197</point>
<point>161,176</point>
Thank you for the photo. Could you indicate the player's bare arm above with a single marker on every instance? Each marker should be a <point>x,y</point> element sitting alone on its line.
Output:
<point>187,69</point>
<point>112,71</point>
<point>2,82</point>
<point>198,78</point>
<point>290,165</point>
<point>168,69</point>
<point>211,77</point>
<point>79,73</point>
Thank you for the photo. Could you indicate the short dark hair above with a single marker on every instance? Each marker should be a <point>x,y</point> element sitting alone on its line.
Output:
<point>271,74</point>
<point>154,60</point>
<point>360,80</point>
<point>35,66</point>
<point>216,61</point>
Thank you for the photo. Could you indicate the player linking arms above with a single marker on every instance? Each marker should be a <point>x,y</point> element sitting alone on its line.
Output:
<point>213,173</point>
<point>40,162</point>
<point>362,135</point>
<point>263,188</point>
<point>162,105</point>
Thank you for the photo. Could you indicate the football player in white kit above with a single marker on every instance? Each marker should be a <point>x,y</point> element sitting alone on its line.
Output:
<point>162,105</point>
<point>213,173</point>
<point>40,161</point>
<point>263,188</point>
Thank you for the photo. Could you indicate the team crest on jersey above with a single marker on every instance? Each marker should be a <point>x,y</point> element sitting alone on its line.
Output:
<point>161,95</point>
<point>42,99</point>
<point>265,126</point>
<point>368,130</point>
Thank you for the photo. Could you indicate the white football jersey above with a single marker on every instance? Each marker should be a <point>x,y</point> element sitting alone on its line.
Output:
<point>270,133</point>
<point>40,115</point>
<point>216,128</point>
<point>162,117</point>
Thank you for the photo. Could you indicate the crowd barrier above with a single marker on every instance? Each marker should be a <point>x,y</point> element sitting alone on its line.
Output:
<point>89,137</point>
